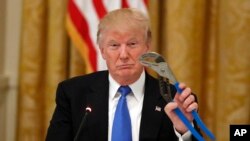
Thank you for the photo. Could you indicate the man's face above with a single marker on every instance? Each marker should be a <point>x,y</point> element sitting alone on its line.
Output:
<point>121,50</point>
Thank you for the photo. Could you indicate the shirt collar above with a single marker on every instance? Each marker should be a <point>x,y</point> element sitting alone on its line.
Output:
<point>137,87</point>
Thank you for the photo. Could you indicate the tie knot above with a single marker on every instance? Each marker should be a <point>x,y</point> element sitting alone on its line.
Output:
<point>124,90</point>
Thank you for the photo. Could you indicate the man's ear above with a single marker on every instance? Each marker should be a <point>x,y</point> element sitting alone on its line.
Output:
<point>148,46</point>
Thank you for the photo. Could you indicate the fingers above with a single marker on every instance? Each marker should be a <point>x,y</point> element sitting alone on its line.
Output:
<point>186,91</point>
<point>170,107</point>
<point>191,107</point>
<point>173,105</point>
<point>190,99</point>
<point>186,100</point>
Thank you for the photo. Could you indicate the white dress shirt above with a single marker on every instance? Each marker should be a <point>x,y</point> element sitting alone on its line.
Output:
<point>134,101</point>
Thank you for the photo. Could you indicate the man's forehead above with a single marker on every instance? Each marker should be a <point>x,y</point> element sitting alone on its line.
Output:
<point>125,36</point>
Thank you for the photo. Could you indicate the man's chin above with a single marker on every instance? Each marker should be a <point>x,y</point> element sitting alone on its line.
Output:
<point>125,71</point>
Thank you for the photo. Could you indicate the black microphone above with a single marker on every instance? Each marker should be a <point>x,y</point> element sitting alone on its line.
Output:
<point>87,111</point>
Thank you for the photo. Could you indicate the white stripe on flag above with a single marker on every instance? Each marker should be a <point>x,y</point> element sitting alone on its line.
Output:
<point>112,4</point>
<point>138,4</point>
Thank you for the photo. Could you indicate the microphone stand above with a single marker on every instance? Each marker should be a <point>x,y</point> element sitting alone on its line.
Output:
<point>87,111</point>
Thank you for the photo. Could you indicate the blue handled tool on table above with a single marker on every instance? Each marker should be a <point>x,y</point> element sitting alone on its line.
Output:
<point>156,62</point>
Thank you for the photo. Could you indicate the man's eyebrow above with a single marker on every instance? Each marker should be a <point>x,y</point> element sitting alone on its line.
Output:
<point>112,41</point>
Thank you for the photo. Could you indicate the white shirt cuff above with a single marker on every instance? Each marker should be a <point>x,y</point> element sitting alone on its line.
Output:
<point>185,137</point>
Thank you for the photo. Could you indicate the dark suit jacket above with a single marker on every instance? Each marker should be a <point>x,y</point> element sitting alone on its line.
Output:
<point>75,94</point>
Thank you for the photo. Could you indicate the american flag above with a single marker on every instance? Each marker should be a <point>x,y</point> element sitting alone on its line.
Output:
<point>82,20</point>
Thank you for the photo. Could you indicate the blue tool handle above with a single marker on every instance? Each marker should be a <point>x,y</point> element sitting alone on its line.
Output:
<point>188,124</point>
<point>196,117</point>
<point>202,125</point>
<point>179,90</point>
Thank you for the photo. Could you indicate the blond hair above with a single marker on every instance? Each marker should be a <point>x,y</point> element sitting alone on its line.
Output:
<point>125,18</point>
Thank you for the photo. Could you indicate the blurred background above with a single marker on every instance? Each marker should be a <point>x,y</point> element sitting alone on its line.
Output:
<point>42,42</point>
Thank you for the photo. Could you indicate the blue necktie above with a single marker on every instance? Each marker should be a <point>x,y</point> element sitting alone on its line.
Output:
<point>121,130</point>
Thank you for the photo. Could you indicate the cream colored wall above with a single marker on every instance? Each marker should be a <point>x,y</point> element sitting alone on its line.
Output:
<point>10,25</point>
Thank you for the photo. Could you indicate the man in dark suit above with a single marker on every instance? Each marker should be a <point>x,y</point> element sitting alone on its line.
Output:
<point>123,35</point>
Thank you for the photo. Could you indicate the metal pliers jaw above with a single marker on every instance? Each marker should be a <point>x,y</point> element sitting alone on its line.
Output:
<point>157,63</point>
<point>165,90</point>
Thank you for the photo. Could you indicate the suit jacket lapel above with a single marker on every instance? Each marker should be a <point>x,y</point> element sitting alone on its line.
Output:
<point>98,101</point>
<point>152,111</point>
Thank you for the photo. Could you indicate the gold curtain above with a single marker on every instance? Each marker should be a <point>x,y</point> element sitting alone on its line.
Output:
<point>206,43</point>
<point>46,58</point>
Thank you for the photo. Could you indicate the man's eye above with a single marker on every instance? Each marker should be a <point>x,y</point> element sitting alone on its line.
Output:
<point>114,46</point>
<point>132,44</point>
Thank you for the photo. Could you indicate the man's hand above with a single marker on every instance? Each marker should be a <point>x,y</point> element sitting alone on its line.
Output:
<point>186,102</point>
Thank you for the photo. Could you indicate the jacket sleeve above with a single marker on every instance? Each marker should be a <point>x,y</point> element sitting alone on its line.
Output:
<point>60,128</point>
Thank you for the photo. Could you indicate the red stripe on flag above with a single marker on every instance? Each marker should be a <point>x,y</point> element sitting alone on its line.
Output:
<point>125,4</point>
<point>146,3</point>
<point>99,8</point>
<point>82,27</point>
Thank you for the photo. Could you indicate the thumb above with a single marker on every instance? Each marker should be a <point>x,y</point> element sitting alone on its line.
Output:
<point>169,108</point>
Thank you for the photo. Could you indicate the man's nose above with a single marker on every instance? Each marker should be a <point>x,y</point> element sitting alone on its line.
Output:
<point>123,52</point>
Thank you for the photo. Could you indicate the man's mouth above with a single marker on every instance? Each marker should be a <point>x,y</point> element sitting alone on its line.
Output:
<point>125,66</point>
